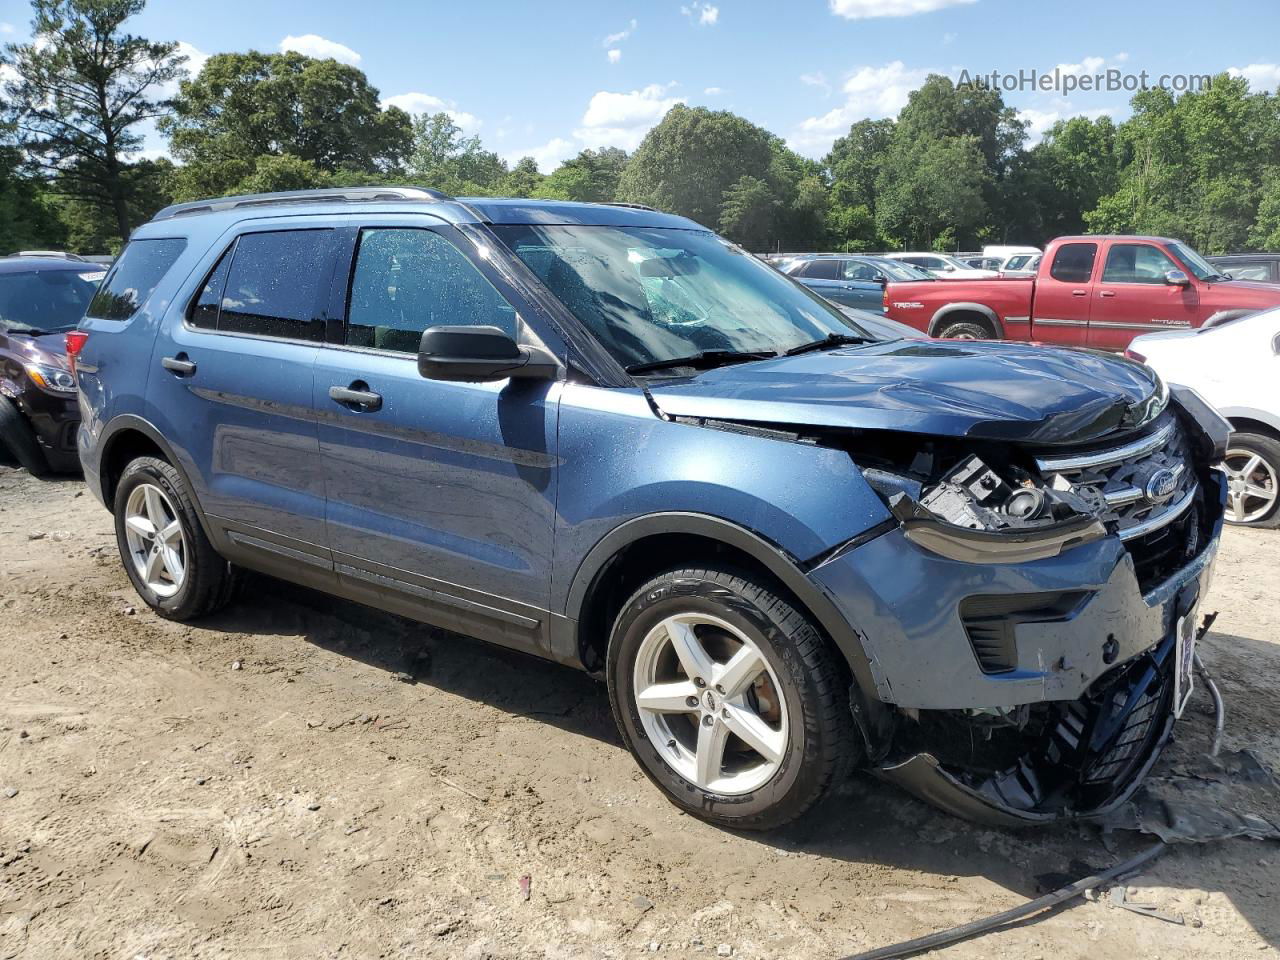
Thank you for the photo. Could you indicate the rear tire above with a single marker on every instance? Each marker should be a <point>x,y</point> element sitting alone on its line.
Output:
<point>20,440</point>
<point>1252,465</point>
<point>171,563</point>
<point>965,330</point>
<point>731,700</point>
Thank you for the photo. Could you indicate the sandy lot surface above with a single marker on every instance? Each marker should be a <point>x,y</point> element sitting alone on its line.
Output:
<point>262,785</point>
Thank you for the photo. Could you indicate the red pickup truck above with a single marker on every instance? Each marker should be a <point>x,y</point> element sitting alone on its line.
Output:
<point>1089,291</point>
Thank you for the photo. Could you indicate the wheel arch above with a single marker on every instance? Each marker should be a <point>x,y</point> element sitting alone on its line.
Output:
<point>1222,316</point>
<point>123,440</point>
<point>646,543</point>
<point>953,312</point>
<point>1251,421</point>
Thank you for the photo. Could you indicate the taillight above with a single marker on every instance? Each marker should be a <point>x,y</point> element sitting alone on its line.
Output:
<point>1135,355</point>
<point>75,341</point>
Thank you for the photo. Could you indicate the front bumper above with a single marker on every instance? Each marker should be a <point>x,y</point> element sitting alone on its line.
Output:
<point>1095,658</point>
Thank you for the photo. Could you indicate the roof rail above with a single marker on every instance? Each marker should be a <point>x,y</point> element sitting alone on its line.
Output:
<point>340,195</point>
<point>49,255</point>
<point>632,206</point>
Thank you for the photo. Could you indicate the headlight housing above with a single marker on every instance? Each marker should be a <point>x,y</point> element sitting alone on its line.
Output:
<point>53,379</point>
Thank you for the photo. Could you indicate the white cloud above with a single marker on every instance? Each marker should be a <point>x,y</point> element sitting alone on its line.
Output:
<point>622,119</point>
<point>1261,76</point>
<point>614,55</point>
<point>311,45</point>
<point>613,39</point>
<point>414,103</point>
<point>869,92</point>
<point>548,156</point>
<point>1121,57</point>
<point>1089,65</point>
<point>195,63</point>
<point>704,14</point>
<point>7,75</point>
<point>948,39</point>
<point>866,9</point>
<point>818,80</point>
<point>1039,121</point>
<point>713,91</point>
<point>8,28</point>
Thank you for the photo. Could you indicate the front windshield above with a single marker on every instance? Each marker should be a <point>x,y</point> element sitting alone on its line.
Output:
<point>45,301</point>
<point>657,294</point>
<point>1197,264</point>
<point>897,270</point>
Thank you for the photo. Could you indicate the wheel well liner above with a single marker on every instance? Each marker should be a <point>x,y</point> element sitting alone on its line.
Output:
<point>1249,425</point>
<point>979,312</point>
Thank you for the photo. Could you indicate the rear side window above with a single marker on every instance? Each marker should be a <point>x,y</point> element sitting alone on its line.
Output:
<point>1073,263</point>
<point>131,280</point>
<point>857,270</point>
<point>1248,271</point>
<point>406,280</point>
<point>273,286</point>
<point>204,310</point>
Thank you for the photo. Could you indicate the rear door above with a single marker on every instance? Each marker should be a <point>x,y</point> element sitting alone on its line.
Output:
<point>441,496</point>
<point>1133,297</point>
<point>1061,298</point>
<point>231,389</point>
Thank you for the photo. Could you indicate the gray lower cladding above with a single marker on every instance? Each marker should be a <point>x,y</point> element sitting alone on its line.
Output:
<point>907,602</point>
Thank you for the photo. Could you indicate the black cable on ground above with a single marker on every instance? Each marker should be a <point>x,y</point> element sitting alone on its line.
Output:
<point>946,937</point>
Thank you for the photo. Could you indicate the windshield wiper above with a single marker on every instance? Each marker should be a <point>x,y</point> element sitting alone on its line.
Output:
<point>830,340</point>
<point>707,359</point>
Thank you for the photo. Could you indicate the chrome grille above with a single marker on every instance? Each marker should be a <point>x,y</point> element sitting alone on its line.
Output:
<point>1141,485</point>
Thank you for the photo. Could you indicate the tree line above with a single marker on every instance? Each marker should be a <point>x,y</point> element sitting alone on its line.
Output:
<point>954,170</point>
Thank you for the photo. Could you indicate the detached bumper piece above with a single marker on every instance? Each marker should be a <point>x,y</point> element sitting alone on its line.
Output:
<point>1046,762</point>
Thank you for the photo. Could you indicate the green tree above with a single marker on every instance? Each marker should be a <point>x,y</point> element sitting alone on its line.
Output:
<point>854,161</point>
<point>1066,175</point>
<point>590,177</point>
<point>243,106</point>
<point>443,159</point>
<point>1265,233</point>
<point>523,180</point>
<point>82,86</point>
<point>747,213</point>
<point>937,187</point>
<point>28,212</point>
<point>685,164</point>
<point>149,184</point>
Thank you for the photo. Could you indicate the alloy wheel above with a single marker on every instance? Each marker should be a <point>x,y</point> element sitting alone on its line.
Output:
<point>710,703</point>
<point>157,545</point>
<point>1252,485</point>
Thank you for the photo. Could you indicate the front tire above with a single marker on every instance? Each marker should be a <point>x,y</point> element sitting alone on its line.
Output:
<point>729,697</point>
<point>965,330</point>
<point>165,552</point>
<point>1252,466</point>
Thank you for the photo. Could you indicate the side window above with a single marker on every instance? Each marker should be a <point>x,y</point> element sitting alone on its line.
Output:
<point>131,280</point>
<point>204,309</point>
<point>1248,271</point>
<point>821,270</point>
<point>1136,263</point>
<point>273,286</point>
<point>857,270</point>
<point>1073,263</point>
<point>406,280</point>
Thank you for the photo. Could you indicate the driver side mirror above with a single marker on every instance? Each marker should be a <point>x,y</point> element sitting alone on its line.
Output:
<point>1177,278</point>
<point>472,354</point>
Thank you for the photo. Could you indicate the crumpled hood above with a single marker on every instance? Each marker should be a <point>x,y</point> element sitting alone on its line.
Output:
<point>987,390</point>
<point>45,348</point>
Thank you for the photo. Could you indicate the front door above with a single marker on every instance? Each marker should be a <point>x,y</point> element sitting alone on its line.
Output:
<point>231,387</point>
<point>441,496</point>
<point>1061,302</point>
<point>1134,297</point>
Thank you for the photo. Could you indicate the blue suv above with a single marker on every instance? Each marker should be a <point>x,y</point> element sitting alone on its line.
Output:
<point>606,436</point>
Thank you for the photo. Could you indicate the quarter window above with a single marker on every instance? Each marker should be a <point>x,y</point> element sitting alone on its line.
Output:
<point>1136,263</point>
<point>1073,263</point>
<point>130,282</point>
<point>406,280</point>
<point>821,270</point>
<point>274,285</point>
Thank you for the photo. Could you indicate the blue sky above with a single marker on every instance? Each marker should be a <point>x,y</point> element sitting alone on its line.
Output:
<point>551,78</point>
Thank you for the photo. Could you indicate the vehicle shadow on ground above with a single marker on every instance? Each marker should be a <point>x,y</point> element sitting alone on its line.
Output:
<point>865,820</point>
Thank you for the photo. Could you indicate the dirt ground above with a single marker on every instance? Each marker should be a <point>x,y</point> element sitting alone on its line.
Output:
<point>263,785</point>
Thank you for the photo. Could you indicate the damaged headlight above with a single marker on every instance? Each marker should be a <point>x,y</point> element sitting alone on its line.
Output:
<point>974,515</point>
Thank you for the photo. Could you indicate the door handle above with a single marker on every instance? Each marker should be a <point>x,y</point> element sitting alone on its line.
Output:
<point>357,395</point>
<point>1106,293</point>
<point>179,365</point>
<point>1078,293</point>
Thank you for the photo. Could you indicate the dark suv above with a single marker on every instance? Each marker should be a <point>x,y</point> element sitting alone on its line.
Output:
<point>606,436</point>
<point>41,299</point>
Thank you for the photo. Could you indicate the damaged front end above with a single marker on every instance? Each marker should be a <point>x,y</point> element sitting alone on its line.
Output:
<point>1073,694</point>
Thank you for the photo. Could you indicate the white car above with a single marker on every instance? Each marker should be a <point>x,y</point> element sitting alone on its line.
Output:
<point>942,266</point>
<point>1236,367</point>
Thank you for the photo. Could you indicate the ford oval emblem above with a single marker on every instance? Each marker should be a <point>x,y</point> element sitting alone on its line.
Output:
<point>1161,485</point>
